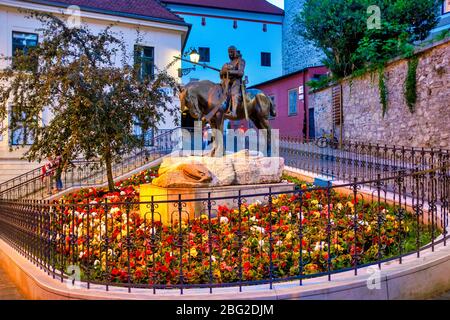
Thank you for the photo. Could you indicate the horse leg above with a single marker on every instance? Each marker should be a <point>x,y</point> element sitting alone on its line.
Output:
<point>219,119</point>
<point>262,123</point>
<point>213,138</point>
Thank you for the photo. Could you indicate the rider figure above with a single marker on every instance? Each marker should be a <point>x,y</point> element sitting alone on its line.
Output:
<point>235,72</point>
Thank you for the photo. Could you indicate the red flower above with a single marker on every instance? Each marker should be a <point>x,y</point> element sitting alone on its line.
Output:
<point>115,272</point>
<point>247,266</point>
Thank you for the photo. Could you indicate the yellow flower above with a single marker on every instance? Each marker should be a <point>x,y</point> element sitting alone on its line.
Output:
<point>289,235</point>
<point>193,252</point>
<point>339,206</point>
<point>203,216</point>
<point>314,202</point>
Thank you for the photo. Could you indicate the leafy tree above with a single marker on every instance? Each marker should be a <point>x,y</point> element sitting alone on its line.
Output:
<point>339,28</point>
<point>91,87</point>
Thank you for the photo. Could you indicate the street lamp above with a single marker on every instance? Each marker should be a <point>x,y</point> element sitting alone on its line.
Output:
<point>194,57</point>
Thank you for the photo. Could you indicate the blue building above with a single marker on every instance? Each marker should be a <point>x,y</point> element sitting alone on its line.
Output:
<point>254,27</point>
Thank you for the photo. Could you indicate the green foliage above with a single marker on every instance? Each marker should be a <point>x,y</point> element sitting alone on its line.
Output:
<point>411,84</point>
<point>90,84</point>
<point>323,82</point>
<point>339,28</point>
<point>382,90</point>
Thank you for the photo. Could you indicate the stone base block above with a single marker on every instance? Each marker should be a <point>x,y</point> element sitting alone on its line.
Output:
<point>172,203</point>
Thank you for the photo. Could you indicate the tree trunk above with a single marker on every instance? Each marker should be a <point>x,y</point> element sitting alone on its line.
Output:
<point>109,173</point>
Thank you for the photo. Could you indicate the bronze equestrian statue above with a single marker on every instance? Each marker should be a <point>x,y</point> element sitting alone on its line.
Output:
<point>208,101</point>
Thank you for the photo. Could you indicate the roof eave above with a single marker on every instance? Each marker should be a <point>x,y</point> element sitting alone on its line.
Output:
<point>113,13</point>
<point>282,13</point>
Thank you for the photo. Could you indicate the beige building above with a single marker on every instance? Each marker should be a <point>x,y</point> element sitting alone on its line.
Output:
<point>164,35</point>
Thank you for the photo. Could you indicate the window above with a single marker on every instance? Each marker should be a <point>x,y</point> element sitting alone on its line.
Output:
<point>203,21</point>
<point>266,59</point>
<point>273,103</point>
<point>264,27</point>
<point>204,54</point>
<point>446,7</point>
<point>21,135</point>
<point>293,97</point>
<point>147,135</point>
<point>144,57</point>
<point>235,25</point>
<point>23,42</point>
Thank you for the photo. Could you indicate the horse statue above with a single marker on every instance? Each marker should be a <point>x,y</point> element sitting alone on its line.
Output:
<point>204,100</point>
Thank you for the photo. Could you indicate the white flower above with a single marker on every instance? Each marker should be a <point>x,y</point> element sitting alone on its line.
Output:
<point>213,258</point>
<point>319,246</point>
<point>153,230</point>
<point>81,254</point>
<point>253,219</point>
<point>96,262</point>
<point>114,210</point>
<point>261,243</point>
<point>122,193</point>
<point>93,202</point>
<point>279,243</point>
<point>94,214</point>
<point>258,229</point>
<point>223,220</point>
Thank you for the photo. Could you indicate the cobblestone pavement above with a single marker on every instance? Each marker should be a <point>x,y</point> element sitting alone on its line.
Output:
<point>8,291</point>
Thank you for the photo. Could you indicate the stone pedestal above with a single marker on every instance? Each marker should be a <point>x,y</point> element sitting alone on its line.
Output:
<point>194,201</point>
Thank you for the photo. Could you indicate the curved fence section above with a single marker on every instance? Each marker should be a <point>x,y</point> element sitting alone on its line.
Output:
<point>232,240</point>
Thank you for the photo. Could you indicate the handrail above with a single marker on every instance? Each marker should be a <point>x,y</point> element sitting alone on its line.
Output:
<point>160,145</point>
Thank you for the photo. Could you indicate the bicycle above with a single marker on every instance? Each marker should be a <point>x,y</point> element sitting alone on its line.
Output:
<point>327,140</point>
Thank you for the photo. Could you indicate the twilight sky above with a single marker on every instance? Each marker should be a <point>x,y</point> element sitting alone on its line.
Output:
<point>279,3</point>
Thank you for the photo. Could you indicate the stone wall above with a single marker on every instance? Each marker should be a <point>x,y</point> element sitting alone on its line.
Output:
<point>297,53</point>
<point>428,127</point>
<point>321,102</point>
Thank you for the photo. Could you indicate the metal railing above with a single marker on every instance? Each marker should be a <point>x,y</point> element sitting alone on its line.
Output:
<point>364,161</point>
<point>235,240</point>
<point>87,173</point>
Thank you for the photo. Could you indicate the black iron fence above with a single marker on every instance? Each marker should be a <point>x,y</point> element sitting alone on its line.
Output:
<point>213,241</point>
<point>34,185</point>
<point>361,160</point>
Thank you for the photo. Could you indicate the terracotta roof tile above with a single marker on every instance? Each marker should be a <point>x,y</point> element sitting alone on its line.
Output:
<point>146,8</point>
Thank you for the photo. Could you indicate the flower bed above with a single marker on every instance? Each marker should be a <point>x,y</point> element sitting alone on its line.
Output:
<point>309,232</point>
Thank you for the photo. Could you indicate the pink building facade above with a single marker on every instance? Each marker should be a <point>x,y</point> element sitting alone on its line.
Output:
<point>294,117</point>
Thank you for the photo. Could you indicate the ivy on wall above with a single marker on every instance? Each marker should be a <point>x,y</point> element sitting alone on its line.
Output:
<point>411,84</point>
<point>382,90</point>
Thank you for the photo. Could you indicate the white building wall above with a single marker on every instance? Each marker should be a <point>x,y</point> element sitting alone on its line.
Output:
<point>166,39</point>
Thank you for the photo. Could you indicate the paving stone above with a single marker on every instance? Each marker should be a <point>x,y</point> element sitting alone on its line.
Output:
<point>8,291</point>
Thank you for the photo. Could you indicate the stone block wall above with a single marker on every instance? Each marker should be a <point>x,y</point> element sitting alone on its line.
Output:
<point>297,53</point>
<point>428,126</point>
